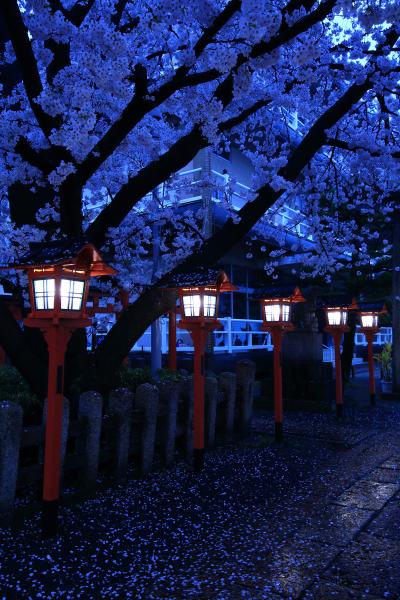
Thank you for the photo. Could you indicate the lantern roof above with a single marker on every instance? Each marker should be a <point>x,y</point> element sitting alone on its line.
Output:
<point>200,277</point>
<point>343,301</point>
<point>287,292</point>
<point>67,252</point>
<point>378,307</point>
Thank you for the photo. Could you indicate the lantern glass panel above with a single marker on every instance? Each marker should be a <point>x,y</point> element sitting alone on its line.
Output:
<point>337,317</point>
<point>72,294</point>
<point>276,312</point>
<point>369,320</point>
<point>209,305</point>
<point>44,292</point>
<point>191,305</point>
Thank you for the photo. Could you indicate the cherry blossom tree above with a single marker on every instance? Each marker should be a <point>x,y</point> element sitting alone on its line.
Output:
<point>104,101</point>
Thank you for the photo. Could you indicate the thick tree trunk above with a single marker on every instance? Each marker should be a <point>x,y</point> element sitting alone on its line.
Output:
<point>131,325</point>
<point>396,303</point>
<point>23,357</point>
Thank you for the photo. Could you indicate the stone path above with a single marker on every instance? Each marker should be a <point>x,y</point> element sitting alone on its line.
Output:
<point>314,518</point>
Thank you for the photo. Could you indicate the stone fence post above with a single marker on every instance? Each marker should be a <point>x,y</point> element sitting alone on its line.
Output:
<point>245,373</point>
<point>227,385</point>
<point>11,415</point>
<point>147,401</point>
<point>120,407</point>
<point>90,416</point>
<point>186,406</point>
<point>169,398</point>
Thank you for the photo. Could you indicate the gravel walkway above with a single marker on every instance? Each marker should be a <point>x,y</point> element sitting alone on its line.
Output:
<point>314,518</point>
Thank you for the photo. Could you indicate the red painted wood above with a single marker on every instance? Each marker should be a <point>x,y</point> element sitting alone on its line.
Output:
<point>172,340</point>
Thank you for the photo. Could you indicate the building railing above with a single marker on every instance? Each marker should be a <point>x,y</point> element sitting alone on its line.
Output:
<point>237,335</point>
<point>384,336</point>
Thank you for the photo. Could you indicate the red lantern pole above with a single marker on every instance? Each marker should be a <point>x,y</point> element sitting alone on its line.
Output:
<point>337,337</point>
<point>57,338</point>
<point>199,333</point>
<point>172,340</point>
<point>277,336</point>
<point>369,333</point>
<point>371,367</point>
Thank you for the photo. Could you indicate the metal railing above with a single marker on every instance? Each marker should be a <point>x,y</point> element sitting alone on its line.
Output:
<point>384,336</point>
<point>238,335</point>
<point>235,335</point>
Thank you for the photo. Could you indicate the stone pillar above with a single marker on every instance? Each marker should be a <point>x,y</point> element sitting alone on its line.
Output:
<point>64,434</point>
<point>245,373</point>
<point>227,385</point>
<point>10,439</point>
<point>169,398</point>
<point>120,408</point>
<point>186,405</point>
<point>147,402</point>
<point>88,443</point>
<point>210,405</point>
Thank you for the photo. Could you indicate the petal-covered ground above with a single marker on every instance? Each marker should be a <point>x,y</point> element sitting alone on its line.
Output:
<point>316,517</point>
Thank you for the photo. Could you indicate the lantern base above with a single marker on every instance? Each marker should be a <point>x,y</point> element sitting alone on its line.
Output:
<point>198,459</point>
<point>339,411</point>
<point>372,399</point>
<point>49,522</point>
<point>278,433</point>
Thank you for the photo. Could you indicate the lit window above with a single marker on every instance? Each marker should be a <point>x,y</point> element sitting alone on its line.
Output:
<point>44,290</point>
<point>369,320</point>
<point>337,317</point>
<point>191,305</point>
<point>71,294</point>
<point>209,305</point>
<point>272,312</point>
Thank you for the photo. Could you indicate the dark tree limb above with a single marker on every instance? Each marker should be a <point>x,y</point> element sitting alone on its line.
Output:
<point>146,309</point>
<point>27,63</point>
<point>175,158</point>
<point>25,359</point>
<point>139,106</point>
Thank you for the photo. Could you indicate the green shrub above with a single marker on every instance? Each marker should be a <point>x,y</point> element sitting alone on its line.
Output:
<point>131,378</point>
<point>14,388</point>
<point>169,375</point>
<point>384,359</point>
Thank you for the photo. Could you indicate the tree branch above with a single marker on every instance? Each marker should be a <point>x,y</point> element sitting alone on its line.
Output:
<point>23,51</point>
<point>153,174</point>
<point>128,328</point>
<point>138,107</point>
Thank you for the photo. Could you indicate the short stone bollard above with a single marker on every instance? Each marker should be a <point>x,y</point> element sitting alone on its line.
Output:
<point>185,415</point>
<point>245,373</point>
<point>147,401</point>
<point>168,411</point>
<point>120,408</point>
<point>227,385</point>
<point>90,417</point>
<point>64,434</point>
<point>11,415</point>
<point>210,405</point>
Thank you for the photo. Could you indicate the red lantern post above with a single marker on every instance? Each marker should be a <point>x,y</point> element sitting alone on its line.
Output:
<point>199,299</point>
<point>172,339</point>
<point>337,326</point>
<point>369,314</point>
<point>276,320</point>
<point>58,278</point>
